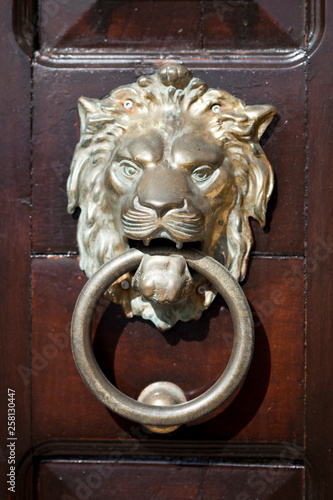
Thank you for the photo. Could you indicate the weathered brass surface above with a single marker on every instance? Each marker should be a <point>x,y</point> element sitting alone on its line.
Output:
<point>177,414</point>
<point>162,394</point>
<point>163,279</point>
<point>168,158</point>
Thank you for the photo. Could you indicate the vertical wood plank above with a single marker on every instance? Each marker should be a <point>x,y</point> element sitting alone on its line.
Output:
<point>319,406</point>
<point>15,239</point>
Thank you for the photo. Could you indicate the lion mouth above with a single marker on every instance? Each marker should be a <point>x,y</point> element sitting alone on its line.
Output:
<point>164,243</point>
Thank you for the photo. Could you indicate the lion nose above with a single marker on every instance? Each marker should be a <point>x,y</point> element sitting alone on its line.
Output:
<point>161,207</point>
<point>162,190</point>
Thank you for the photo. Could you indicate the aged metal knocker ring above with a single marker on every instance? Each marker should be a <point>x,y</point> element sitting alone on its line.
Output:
<point>163,419</point>
<point>167,162</point>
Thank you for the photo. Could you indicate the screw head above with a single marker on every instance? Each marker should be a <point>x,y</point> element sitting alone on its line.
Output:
<point>216,109</point>
<point>128,104</point>
<point>125,285</point>
<point>202,289</point>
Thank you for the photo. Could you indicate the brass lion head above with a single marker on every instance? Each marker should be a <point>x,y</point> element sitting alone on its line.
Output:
<point>168,161</point>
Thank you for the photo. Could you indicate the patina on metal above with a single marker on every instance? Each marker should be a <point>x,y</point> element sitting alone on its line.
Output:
<point>168,160</point>
<point>176,414</point>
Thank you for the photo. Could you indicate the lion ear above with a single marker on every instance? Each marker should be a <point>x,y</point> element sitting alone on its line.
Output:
<point>87,108</point>
<point>261,116</point>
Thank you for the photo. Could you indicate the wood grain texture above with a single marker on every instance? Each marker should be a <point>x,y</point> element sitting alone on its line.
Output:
<point>132,481</point>
<point>270,407</point>
<point>56,132</point>
<point>132,25</point>
<point>133,354</point>
<point>15,240</point>
<point>253,25</point>
<point>319,437</point>
<point>170,25</point>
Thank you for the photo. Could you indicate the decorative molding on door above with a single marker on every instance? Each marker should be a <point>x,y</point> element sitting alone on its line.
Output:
<point>26,23</point>
<point>276,456</point>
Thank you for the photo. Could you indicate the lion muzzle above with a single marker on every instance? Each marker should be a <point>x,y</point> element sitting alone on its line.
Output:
<point>143,223</point>
<point>163,280</point>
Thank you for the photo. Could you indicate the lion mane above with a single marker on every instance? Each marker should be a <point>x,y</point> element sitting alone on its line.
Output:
<point>237,127</point>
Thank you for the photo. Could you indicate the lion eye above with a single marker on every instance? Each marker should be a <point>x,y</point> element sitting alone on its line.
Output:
<point>130,170</point>
<point>202,173</point>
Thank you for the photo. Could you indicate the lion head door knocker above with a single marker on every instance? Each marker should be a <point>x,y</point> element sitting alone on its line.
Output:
<point>167,173</point>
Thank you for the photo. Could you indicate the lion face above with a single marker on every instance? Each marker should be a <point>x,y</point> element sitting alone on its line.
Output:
<point>169,184</point>
<point>161,164</point>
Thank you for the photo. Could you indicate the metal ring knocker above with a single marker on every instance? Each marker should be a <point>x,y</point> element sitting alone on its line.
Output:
<point>172,415</point>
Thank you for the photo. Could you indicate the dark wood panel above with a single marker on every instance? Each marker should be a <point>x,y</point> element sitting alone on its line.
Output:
<point>15,245</point>
<point>270,404</point>
<point>137,25</point>
<point>173,24</point>
<point>320,263</point>
<point>56,133</point>
<point>253,25</point>
<point>133,481</point>
<point>56,19</point>
<point>133,354</point>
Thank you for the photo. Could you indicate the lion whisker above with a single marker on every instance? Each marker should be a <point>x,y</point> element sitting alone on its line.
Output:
<point>139,235</point>
<point>141,209</point>
<point>175,230</point>
<point>184,223</point>
<point>144,212</point>
<point>193,227</point>
<point>191,231</point>
<point>138,227</point>
<point>138,220</point>
<point>137,213</point>
<point>183,216</point>
<point>191,222</point>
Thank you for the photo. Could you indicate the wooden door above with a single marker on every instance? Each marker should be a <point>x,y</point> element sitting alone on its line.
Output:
<point>275,440</point>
